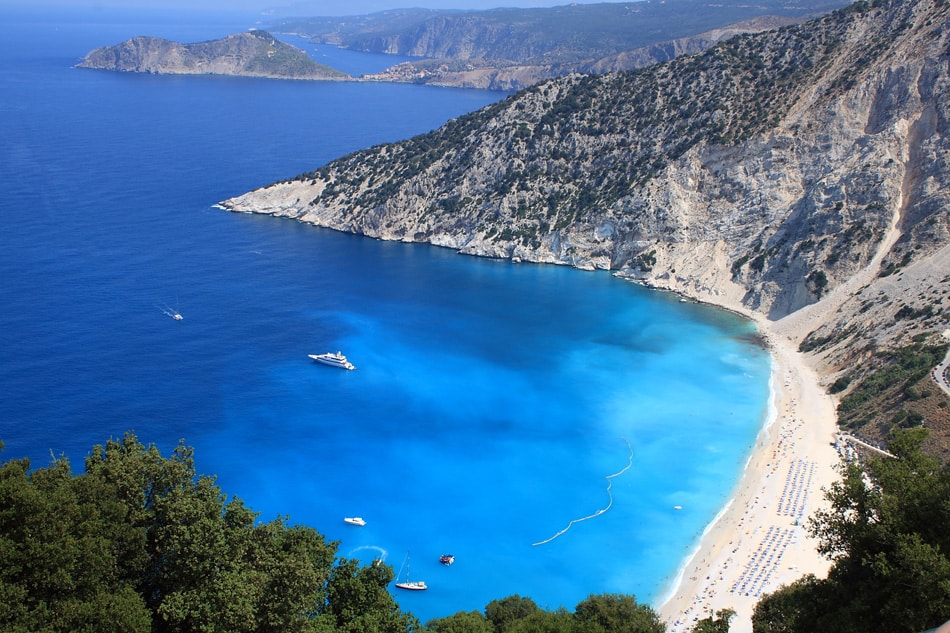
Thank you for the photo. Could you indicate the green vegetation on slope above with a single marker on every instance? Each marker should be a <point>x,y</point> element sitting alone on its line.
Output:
<point>577,146</point>
<point>284,60</point>
<point>255,53</point>
<point>561,34</point>
<point>901,371</point>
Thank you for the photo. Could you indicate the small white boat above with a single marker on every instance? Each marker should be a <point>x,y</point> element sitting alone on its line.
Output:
<point>446,559</point>
<point>417,585</point>
<point>333,359</point>
<point>354,521</point>
<point>170,312</point>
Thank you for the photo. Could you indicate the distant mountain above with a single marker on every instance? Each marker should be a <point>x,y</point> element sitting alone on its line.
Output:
<point>802,174</point>
<point>252,54</point>
<point>513,48</point>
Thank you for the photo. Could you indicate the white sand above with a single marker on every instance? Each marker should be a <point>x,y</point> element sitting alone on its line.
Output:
<point>758,542</point>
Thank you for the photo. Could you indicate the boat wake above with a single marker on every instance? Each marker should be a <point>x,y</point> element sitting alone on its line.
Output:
<point>170,312</point>
<point>379,550</point>
<point>602,510</point>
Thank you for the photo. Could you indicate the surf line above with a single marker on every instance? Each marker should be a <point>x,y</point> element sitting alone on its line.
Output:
<point>602,510</point>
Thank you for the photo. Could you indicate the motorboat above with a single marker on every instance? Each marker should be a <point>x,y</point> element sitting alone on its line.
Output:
<point>446,559</point>
<point>354,521</point>
<point>334,359</point>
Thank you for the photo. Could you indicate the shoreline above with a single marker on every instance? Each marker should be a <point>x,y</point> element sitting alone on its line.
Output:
<point>758,542</point>
<point>770,419</point>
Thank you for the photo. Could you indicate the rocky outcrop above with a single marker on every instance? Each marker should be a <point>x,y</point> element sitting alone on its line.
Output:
<point>253,54</point>
<point>802,173</point>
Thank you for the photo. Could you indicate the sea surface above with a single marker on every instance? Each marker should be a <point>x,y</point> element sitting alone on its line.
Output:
<point>493,403</point>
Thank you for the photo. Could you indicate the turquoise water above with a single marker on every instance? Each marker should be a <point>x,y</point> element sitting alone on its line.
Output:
<point>491,402</point>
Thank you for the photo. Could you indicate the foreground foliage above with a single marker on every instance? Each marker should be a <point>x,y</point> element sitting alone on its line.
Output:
<point>605,613</point>
<point>886,533</point>
<point>142,543</point>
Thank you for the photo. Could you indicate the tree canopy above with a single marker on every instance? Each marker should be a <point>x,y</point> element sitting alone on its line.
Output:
<point>886,531</point>
<point>604,613</point>
<point>142,543</point>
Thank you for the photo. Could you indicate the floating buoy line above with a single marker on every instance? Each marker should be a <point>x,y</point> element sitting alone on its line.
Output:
<point>602,510</point>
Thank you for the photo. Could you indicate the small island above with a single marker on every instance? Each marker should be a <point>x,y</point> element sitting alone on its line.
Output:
<point>252,54</point>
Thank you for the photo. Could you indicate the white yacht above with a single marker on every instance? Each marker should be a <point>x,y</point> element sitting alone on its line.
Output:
<point>333,359</point>
<point>355,521</point>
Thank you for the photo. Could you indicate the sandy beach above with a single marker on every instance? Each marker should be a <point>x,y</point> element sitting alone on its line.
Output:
<point>759,542</point>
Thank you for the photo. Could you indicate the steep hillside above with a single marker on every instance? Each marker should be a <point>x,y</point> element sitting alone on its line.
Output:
<point>495,74</point>
<point>511,48</point>
<point>800,173</point>
<point>254,54</point>
<point>568,33</point>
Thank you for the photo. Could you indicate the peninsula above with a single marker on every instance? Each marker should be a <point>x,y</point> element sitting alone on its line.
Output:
<point>252,54</point>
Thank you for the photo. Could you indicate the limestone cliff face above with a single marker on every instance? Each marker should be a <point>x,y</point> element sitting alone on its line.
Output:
<point>254,54</point>
<point>803,173</point>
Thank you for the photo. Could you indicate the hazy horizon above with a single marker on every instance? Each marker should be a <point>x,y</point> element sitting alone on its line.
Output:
<point>277,7</point>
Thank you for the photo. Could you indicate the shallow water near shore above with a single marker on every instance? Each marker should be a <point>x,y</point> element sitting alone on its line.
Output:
<point>492,405</point>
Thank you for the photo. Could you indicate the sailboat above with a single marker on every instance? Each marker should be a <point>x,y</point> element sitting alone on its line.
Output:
<point>417,585</point>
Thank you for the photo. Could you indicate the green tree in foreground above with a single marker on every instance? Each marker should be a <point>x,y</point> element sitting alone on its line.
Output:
<point>505,612</point>
<point>141,543</point>
<point>605,613</point>
<point>715,624</point>
<point>461,622</point>
<point>358,600</point>
<point>59,537</point>
<point>888,537</point>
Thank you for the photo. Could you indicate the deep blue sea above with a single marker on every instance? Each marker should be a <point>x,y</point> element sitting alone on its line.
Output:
<point>491,400</point>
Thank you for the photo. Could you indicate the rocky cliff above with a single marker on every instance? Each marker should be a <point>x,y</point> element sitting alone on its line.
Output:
<point>511,49</point>
<point>252,54</point>
<point>496,74</point>
<point>801,173</point>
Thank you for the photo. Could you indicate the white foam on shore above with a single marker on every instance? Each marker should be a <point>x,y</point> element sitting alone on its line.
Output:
<point>681,572</point>
<point>761,443</point>
<point>771,415</point>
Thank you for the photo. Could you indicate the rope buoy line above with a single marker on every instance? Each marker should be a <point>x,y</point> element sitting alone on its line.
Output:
<point>602,510</point>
